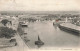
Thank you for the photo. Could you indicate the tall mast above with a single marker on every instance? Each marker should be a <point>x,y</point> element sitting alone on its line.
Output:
<point>39,38</point>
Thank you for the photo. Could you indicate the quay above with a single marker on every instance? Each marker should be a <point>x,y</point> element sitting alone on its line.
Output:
<point>69,27</point>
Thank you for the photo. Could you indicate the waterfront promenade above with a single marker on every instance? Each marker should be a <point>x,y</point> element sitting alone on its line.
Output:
<point>20,47</point>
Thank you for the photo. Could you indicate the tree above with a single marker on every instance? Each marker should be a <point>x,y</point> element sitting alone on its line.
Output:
<point>7,32</point>
<point>4,22</point>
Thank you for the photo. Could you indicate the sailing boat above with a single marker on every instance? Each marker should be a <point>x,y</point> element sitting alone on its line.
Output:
<point>39,42</point>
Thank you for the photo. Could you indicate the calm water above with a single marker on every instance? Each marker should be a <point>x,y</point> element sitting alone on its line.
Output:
<point>52,36</point>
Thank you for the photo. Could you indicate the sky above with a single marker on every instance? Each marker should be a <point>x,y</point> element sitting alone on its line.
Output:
<point>39,5</point>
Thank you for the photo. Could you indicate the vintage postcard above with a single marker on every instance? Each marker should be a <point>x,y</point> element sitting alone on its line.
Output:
<point>39,25</point>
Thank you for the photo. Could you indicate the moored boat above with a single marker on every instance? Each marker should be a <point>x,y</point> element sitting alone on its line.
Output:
<point>39,42</point>
<point>24,24</point>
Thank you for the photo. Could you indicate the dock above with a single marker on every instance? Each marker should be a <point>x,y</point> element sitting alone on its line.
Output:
<point>69,27</point>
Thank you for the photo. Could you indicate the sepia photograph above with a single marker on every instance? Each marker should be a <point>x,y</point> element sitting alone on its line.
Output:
<point>39,25</point>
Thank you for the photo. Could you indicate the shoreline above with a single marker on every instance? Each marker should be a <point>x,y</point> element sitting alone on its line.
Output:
<point>21,33</point>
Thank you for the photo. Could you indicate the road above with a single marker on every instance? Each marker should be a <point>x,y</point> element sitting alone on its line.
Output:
<point>20,47</point>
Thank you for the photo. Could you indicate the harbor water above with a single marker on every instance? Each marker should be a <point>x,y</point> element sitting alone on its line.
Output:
<point>51,35</point>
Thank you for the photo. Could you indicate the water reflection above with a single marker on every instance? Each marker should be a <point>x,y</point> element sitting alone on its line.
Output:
<point>39,46</point>
<point>55,26</point>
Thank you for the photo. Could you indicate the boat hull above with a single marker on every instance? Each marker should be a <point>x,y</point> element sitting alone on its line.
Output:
<point>39,43</point>
<point>24,25</point>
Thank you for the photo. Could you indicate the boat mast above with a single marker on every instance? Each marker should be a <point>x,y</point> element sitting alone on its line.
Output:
<point>38,38</point>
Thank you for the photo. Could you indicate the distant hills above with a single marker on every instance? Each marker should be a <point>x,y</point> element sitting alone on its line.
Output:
<point>39,12</point>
